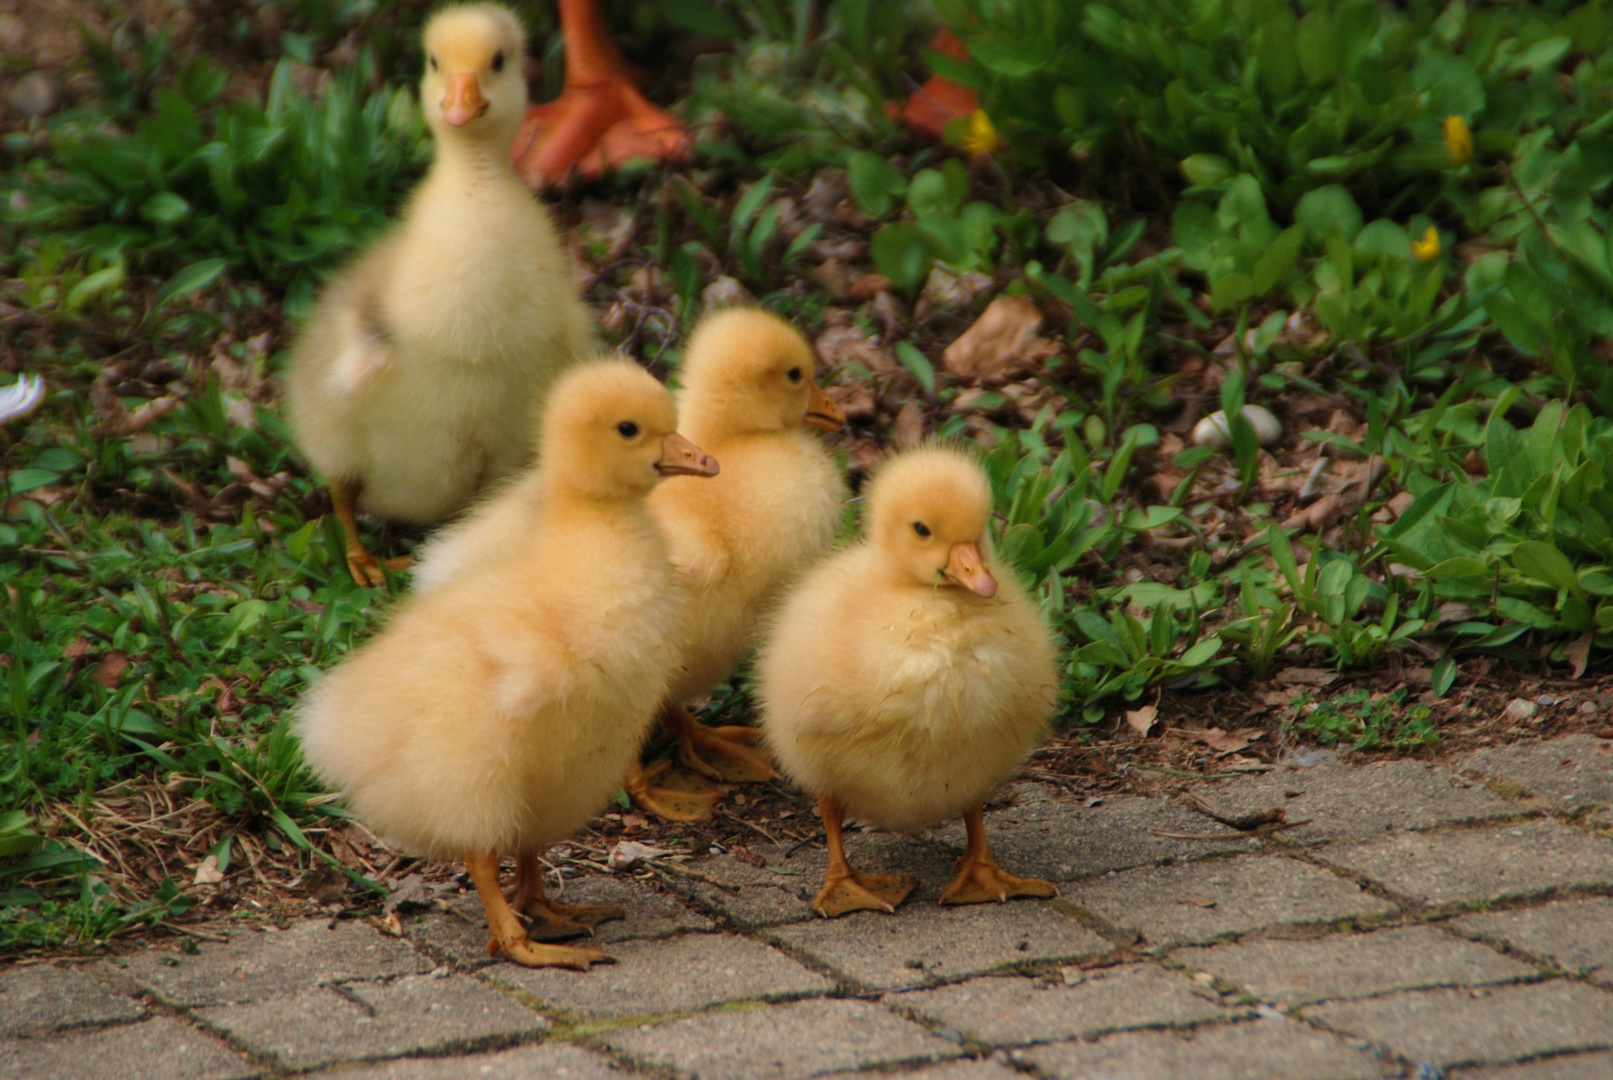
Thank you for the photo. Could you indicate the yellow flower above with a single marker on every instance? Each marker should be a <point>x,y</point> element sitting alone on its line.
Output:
<point>1427,249</point>
<point>1458,140</point>
<point>982,137</point>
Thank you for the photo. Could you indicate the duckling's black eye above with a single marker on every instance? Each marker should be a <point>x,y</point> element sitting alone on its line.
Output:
<point>922,529</point>
<point>795,374</point>
<point>498,60</point>
<point>628,429</point>
<point>433,60</point>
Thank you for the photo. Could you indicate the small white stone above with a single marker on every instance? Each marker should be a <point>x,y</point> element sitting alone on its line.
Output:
<point>1520,709</point>
<point>1212,430</point>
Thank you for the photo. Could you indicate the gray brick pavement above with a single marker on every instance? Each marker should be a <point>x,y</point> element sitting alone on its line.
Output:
<point>1420,922</point>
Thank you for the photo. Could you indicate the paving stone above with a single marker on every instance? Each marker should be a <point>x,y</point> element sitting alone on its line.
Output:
<point>781,892</point>
<point>922,943</point>
<point>1296,972</point>
<point>1484,1026</point>
<point>1016,1011</point>
<point>40,999</point>
<point>965,1069</point>
<point>781,1042</point>
<point>1270,1049</point>
<point>459,935</point>
<point>1576,935</point>
<point>1053,838</point>
<point>1528,858</point>
<point>1572,1067</point>
<point>551,1061</point>
<point>414,1014</point>
<point>1356,802</point>
<point>1575,771</point>
<point>1201,902</point>
<point>653,978</point>
<point>158,1049</point>
<point>254,964</point>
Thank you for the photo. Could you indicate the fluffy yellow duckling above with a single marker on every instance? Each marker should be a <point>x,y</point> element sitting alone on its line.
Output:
<point>749,396</point>
<point>737,543</point>
<point>418,376</point>
<point>498,713</point>
<point>908,676</point>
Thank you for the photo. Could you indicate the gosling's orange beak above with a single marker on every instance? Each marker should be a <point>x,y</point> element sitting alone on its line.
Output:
<point>680,457</point>
<point>463,102</point>
<point>822,412</point>
<point>967,568</point>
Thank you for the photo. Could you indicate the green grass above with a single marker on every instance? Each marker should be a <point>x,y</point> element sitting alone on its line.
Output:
<point>170,585</point>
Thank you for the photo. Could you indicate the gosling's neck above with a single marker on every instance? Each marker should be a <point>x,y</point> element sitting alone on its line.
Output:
<point>475,168</point>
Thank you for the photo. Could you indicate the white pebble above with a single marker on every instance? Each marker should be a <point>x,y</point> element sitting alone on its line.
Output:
<point>1212,430</point>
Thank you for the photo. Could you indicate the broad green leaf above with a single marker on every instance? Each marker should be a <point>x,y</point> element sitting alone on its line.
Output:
<point>198,275</point>
<point>1543,562</point>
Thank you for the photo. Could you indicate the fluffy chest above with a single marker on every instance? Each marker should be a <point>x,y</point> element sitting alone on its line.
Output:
<point>479,279</point>
<point>943,669</point>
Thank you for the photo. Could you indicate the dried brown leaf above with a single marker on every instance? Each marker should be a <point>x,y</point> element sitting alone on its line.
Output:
<point>842,345</point>
<point>1001,344</point>
<point>109,672</point>
<point>908,430</point>
<point>1578,653</point>
<point>1142,720</point>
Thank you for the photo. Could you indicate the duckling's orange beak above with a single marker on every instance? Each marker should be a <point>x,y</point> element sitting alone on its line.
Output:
<point>463,102</point>
<point>822,412</point>
<point>967,568</point>
<point>680,457</point>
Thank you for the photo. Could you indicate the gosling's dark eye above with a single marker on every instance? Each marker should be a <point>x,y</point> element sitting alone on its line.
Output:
<point>433,60</point>
<point>498,60</point>
<point>795,374</point>
<point>922,529</point>
<point>628,429</point>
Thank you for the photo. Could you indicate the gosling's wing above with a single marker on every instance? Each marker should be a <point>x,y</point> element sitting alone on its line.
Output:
<point>365,344</point>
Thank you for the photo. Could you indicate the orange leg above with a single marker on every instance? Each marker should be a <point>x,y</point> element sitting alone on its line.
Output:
<point>940,100</point>
<point>601,119</point>
<point>360,563</point>
<point>746,762</point>
<point>668,804</point>
<point>980,880</point>
<point>552,920</point>
<point>844,889</point>
<point>509,937</point>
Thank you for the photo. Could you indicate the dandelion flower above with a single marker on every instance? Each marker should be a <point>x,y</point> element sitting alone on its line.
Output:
<point>1458,140</point>
<point>1427,249</point>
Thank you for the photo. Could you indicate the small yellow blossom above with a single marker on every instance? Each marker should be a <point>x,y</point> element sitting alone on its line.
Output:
<point>982,137</point>
<point>1427,249</point>
<point>1458,140</point>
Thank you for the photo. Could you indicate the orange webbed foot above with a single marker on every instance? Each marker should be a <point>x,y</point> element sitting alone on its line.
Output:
<point>553,921</point>
<point>527,953</point>
<point>985,883</point>
<point>844,893</point>
<point>601,119</point>
<point>668,804</point>
<point>730,754</point>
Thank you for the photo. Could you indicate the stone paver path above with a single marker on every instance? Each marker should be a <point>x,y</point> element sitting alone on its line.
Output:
<point>1450,921</point>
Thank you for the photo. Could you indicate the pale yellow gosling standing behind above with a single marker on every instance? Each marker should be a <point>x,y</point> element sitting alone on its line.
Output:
<point>908,676</point>
<point>417,379</point>
<point>500,712</point>
<point>749,397</point>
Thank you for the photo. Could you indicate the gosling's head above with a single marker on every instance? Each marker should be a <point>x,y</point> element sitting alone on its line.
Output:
<point>928,511</point>
<point>610,432</point>
<point>473,87</point>
<point>747,370</point>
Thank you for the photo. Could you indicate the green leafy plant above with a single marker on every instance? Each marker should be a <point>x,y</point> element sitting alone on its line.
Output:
<point>280,190</point>
<point>1363,721</point>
